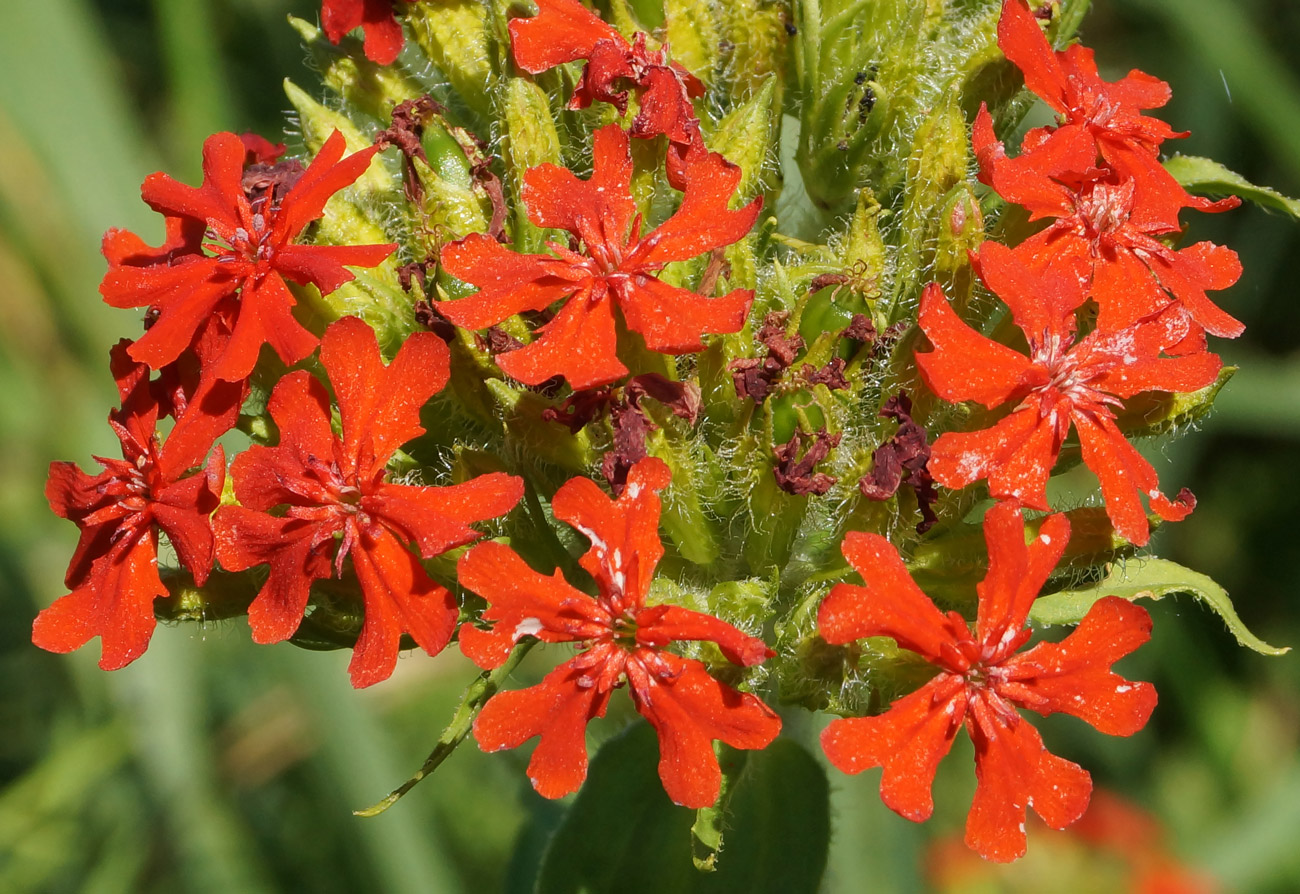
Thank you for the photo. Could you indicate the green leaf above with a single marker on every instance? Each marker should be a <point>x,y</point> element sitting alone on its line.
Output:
<point>622,834</point>
<point>1148,579</point>
<point>780,798</point>
<point>1204,175</point>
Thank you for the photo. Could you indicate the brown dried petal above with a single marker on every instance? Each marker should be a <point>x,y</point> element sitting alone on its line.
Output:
<point>795,475</point>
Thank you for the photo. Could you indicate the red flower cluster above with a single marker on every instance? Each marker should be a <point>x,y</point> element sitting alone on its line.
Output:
<point>981,682</point>
<point>216,294</point>
<point>383,33</point>
<point>114,571</point>
<point>623,639</point>
<point>616,267</point>
<point>338,500</point>
<point>1098,175</point>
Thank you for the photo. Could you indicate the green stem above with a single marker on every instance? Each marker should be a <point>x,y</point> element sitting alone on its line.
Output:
<point>471,703</point>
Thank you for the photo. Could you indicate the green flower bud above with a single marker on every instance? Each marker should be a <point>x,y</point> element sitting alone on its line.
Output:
<point>747,137</point>
<point>693,36</point>
<point>454,35</point>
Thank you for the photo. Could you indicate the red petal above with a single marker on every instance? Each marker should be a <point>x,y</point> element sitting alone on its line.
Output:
<point>965,365</point>
<point>1016,573</point>
<point>183,509</point>
<point>1190,272</point>
<point>605,78</point>
<point>212,411</point>
<point>1074,676</point>
<point>266,477</point>
<point>295,549</point>
<point>116,604</point>
<point>562,31</point>
<point>599,210</point>
<point>509,282</point>
<point>1022,41</point>
<point>703,221</point>
<point>557,709</point>
<point>400,598</point>
<point>1123,473</point>
<point>1140,90</point>
<point>124,248</point>
<point>888,604</point>
<point>380,406</point>
<point>579,343</point>
<point>72,494</point>
<point>264,317</point>
<point>624,533</point>
<point>325,176</point>
<point>338,17</point>
<point>1141,369</point>
<point>674,320</point>
<point>437,518</point>
<point>1042,302</point>
<point>383,33</point>
<point>660,625</point>
<point>1124,288</point>
<point>1014,769</point>
<point>665,107</point>
<point>324,265</point>
<point>220,200</point>
<point>522,602</point>
<point>1029,179</point>
<point>689,709</point>
<point>259,150</point>
<point>187,294</point>
<point>1016,455</point>
<point>909,740</point>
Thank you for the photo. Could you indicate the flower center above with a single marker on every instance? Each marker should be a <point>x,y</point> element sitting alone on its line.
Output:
<point>1103,207</point>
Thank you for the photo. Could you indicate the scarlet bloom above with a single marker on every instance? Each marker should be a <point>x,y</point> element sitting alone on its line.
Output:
<point>237,272</point>
<point>616,266</point>
<point>1060,384</point>
<point>982,680</point>
<point>338,502</point>
<point>1108,114</point>
<point>565,30</point>
<point>383,33</point>
<point>1110,229</point>
<point>622,639</point>
<point>114,571</point>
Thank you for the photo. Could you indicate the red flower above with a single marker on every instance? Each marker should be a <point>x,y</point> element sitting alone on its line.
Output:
<point>1108,114</point>
<point>981,682</point>
<point>114,570</point>
<point>565,30</point>
<point>1103,221</point>
<point>1061,383</point>
<point>617,268</point>
<point>250,247</point>
<point>340,503</point>
<point>622,639</point>
<point>383,33</point>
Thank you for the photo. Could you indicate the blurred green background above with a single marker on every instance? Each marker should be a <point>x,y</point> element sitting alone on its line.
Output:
<point>211,765</point>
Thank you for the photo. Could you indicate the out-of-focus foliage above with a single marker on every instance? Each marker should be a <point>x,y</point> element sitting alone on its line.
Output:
<point>211,765</point>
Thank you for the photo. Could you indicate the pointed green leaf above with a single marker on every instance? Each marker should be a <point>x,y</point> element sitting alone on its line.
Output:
<point>1204,175</point>
<point>1148,579</point>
